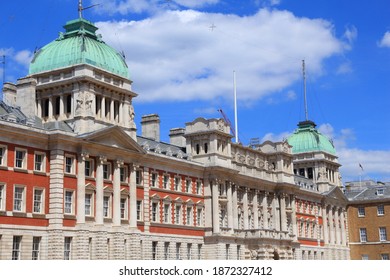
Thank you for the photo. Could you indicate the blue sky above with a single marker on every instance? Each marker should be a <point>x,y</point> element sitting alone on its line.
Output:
<point>183,69</point>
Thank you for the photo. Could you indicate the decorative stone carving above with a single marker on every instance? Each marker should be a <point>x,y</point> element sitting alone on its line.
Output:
<point>84,103</point>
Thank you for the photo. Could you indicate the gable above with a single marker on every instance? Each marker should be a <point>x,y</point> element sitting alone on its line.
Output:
<point>115,137</point>
<point>336,194</point>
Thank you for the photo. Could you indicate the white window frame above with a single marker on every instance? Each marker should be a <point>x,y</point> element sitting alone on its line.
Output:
<point>70,165</point>
<point>3,155</point>
<point>155,212</point>
<point>166,250</point>
<point>188,186</point>
<point>40,166</point>
<point>154,179</point>
<point>20,161</point>
<point>177,184</point>
<point>36,248</point>
<point>178,251</point>
<point>166,181</point>
<point>189,215</point>
<point>2,196</point>
<point>107,170</point>
<point>382,234</point>
<point>89,167</point>
<point>124,208</point>
<point>16,247</point>
<point>139,210</point>
<point>385,256</point>
<point>123,174</point>
<point>88,204</point>
<point>138,177</point>
<point>363,234</point>
<point>199,216</point>
<point>178,214</point>
<point>71,202</point>
<point>107,206</point>
<point>67,248</point>
<point>167,213</point>
<point>198,187</point>
<point>19,203</point>
<point>361,211</point>
<point>189,251</point>
<point>381,210</point>
<point>39,202</point>
<point>380,191</point>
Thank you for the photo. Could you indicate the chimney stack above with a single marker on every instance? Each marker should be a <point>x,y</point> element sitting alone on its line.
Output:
<point>151,126</point>
<point>176,136</point>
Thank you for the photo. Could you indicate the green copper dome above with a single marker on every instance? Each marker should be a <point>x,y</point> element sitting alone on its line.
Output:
<point>78,45</point>
<point>308,139</point>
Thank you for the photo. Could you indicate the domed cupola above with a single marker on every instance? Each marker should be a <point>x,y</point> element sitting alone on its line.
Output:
<point>79,45</point>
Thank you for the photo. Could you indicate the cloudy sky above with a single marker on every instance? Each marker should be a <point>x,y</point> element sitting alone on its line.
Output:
<point>182,55</point>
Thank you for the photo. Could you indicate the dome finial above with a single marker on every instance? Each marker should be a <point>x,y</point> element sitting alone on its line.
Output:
<point>81,9</point>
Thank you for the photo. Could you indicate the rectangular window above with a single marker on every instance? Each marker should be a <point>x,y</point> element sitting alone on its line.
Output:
<point>154,250</point>
<point>106,207</point>
<point>199,251</point>
<point>19,199</point>
<point>38,201</point>
<point>166,250</point>
<point>227,251</point>
<point>363,235</point>
<point>88,168</point>
<point>166,181</point>
<point>199,216</point>
<point>3,156</point>
<point>385,256</point>
<point>189,216</point>
<point>69,165</point>
<point>123,208</point>
<point>361,211</point>
<point>123,174</point>
<point>239,252</point>
<point>154,212</point>
<point>382,234</point>
<point>380,191</point>
<point>2,197</point>
<point>68,202</point>
<point>178,251</point>
<point>154,180</point>
<point>39,162</point>
<point>107,171</point>
<point>20,159</point>
<point>178,214</point>
<point>138,177</point>
<point>167,213</point>
<point>365,257</point>
<point>189,251</point>
<point>139,210</point>
<point>188,186</point>
<point>67,248</point>
<point>88,204</point>
<point>177,184</point>
<point>16,246</point>
<point>198,187</point>
<point>381,210</point>
<point>36,248</point>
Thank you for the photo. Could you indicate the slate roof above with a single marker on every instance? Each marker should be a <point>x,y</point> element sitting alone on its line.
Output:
<point>368,193</point>
<point>162,148</point>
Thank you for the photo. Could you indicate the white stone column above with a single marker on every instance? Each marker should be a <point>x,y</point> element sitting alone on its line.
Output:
<point>283,216</point>
<point>255,210</point>
<point>120,112</point>
<point>81,187</point>
<point>343,229</point>
<point>275,213</point>
<point>39,108</point>
<point>264,204</point>
<point>331,225</point>
<point>99,190</point>
<point>245,206</point>
<point>112,115</point>
<point>294,217</point>
<point>62,106</point>
<point>116,201</point>
<point>234,205</point>
<point>325,223</point>
<point>103,107</point>
<point>50,113</point>
<point>230,205</point>
<point>133,197</point>
<point>215,204</point>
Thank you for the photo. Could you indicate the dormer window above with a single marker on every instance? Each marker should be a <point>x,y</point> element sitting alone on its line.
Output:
<point>379,191</point>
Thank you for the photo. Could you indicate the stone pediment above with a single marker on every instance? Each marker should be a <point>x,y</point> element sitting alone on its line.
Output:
<point>115,137</point>
<point>335,194</point>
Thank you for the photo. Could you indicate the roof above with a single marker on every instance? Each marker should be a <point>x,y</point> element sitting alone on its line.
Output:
<point>162,148</point>
<point>368,194</point>
<point>307,138</point>
<point>78,45</point>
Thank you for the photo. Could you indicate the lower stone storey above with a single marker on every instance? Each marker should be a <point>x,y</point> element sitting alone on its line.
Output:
<point>100,243</point>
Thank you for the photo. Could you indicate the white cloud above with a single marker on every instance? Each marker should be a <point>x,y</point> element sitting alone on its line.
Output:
<point>385,42</point>
<point>276,137</point>
<point>196,3</point>
<point>24,57</point>
<point>345,68</point>
<point>350,34</point>
<point>173,55</point>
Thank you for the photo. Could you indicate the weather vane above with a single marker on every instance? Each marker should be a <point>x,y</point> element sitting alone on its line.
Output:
<point>81,9</point>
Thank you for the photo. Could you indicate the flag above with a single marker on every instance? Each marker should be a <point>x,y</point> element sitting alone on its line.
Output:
<point>361,167</point>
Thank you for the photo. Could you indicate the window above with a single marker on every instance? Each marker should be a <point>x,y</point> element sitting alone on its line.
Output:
<point>20,158</point>
<point>363,235</point>
<point>188,186</point>
<point>38,201</point>
<point>123,207</point>
<point>123,174</point>
<point>19,199</point>
<point>69,165</point>
<point>3,153</point>
<point>39,162</point>
<point>382,234</point>
<point>167,213</point>
<point>189,251</point>
<point>365,257</point>
<point>361,211</point>
<point>385,256</point>
<point>198,187</point>
<point>154,250</point>
<point>67,248</point>
<point>68,202</point>
<point>139,211</point>
<point>238,252</point>
<point>2,197</point>
<point>380,191</point>
<point>88,168</point>
<point>154,180</point>
<point>177,184</point>
<point>154,212</point>
<point>381,210</point>
<point>36,248</point>
<point>106,207</point>
<point>199,217</point>
<point>166,250</point>
<point>88,204</point>
<point>138,177</point>
<point>227,251</point>
<point>189,216</point>
<point>178,214</point>
<point>107,171</point>
<point>178,251</point>
<point>16,246</point>
<point>199,251</point>
<point>166,181</point>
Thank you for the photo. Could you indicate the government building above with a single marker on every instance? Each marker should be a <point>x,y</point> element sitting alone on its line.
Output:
<point>79,180</point>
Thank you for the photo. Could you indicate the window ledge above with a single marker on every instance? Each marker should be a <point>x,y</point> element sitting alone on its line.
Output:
<point>22,170</point>
<point>70,175</point>
<point>19,214</point>
<point>70,216</point>
<point>41,173</point>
